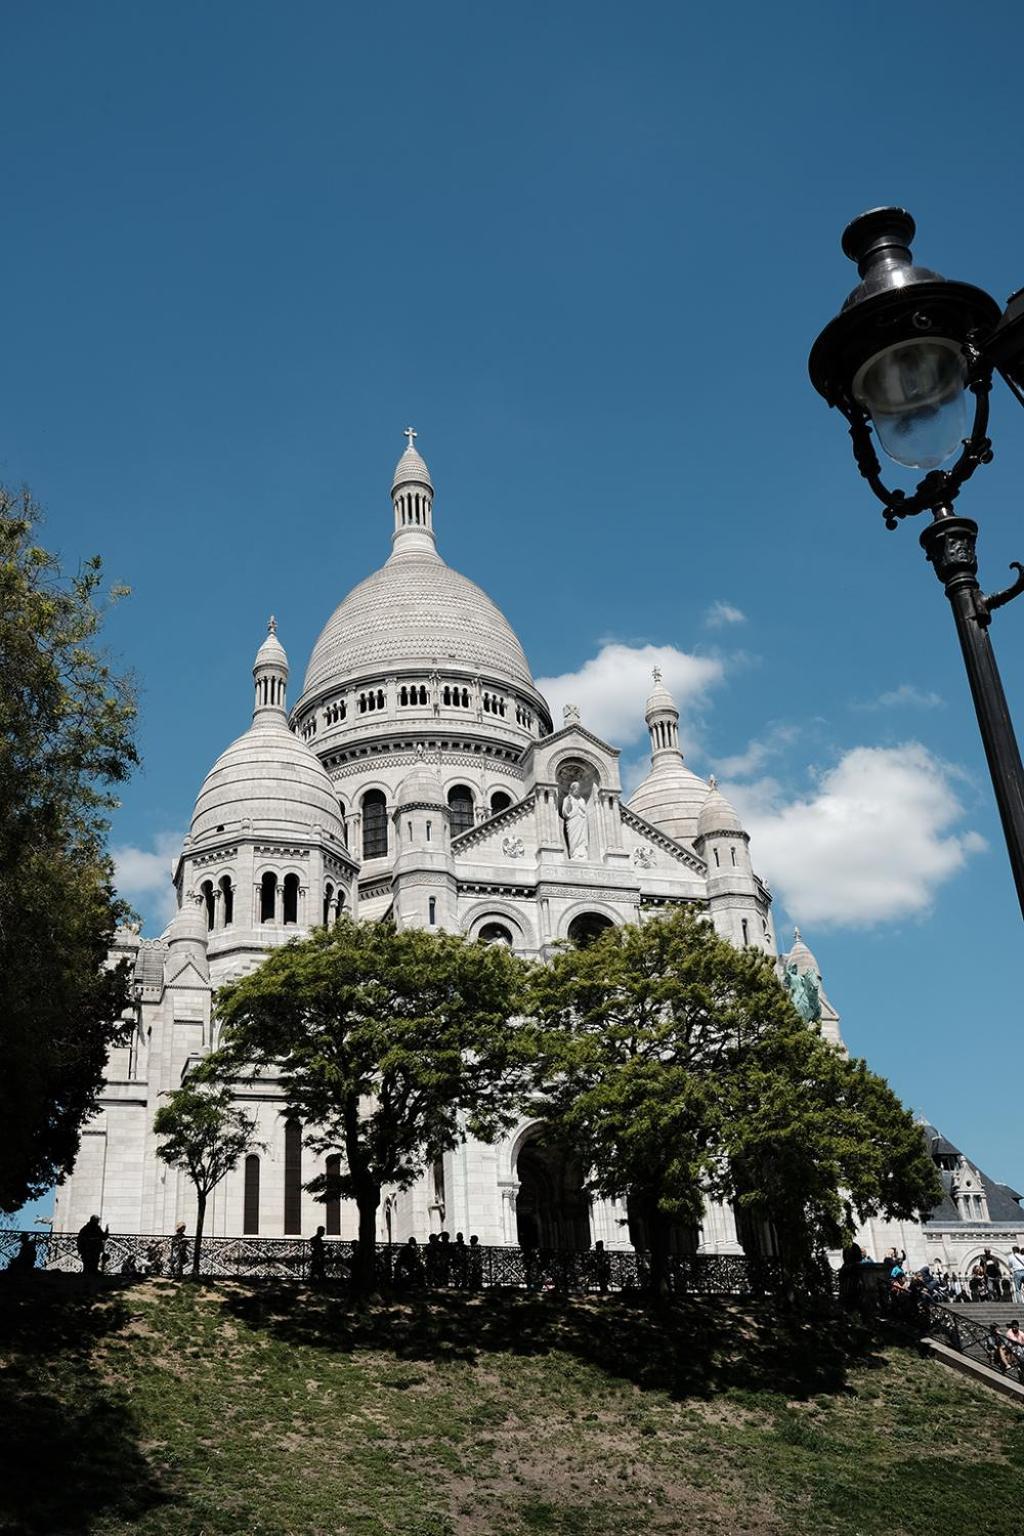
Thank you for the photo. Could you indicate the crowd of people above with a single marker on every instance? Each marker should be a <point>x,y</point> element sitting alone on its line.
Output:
<point>986,1280</point>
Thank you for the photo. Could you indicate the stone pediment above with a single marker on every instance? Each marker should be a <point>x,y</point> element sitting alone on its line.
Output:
<point>187,974</point>
<point>653,837</point>
<point>514,825</point>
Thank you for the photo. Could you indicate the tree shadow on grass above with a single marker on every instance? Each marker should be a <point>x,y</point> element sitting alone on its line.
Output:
<point>694,1347</point>
<point>69,1450</point>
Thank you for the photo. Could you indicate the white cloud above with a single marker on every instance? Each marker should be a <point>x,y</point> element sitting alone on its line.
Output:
<point>872,843</point>
<point>611,687</point>
<point>721,613</point>
<point>906,696</point>
<point>143,876</point>
<point>757,752</point>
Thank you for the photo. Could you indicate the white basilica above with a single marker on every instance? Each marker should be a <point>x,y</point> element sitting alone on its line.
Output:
<point>419,778</point>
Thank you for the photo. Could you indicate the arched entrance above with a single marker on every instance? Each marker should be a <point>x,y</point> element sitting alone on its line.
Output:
<point>552,1206</point>
<point>586,927</point>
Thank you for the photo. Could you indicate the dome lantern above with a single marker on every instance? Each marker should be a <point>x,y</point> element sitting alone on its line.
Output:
<point>412,496</point>
<point>270,675</point>
<point>671,795</point>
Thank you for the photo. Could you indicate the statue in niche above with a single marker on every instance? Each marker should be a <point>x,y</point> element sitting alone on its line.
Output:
<point>804,988</point>
<point>574,813</point>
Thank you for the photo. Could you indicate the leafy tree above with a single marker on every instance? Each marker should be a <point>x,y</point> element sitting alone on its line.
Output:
<point>677,1066</point>
<point>204,1134</point>
<point>66,738</point>
<point>391,1046</point>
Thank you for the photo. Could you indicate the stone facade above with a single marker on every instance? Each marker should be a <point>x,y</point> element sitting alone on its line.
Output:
<point>420,778</point>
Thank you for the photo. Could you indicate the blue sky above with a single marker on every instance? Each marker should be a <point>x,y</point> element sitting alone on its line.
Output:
<point>584,250</point>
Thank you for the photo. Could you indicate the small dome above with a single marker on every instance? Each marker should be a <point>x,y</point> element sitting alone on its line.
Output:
<point>717,815</point>
<point>670,798</point>
<point>411,469</point>
<point>659,698</point>
<point>271,652</point>
<point>420,787</point>
<point>272,779</point>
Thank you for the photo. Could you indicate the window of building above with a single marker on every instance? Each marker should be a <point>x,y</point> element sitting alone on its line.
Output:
<point>328,898</point>
<point>746,936</point>
<point>432,911</point>
<point>206,891</point>
<point>292,1177</point>
<point>268,895</point>
<point>291,898</point>
<point>227,900</point>
<point>500,801</point>
<point>460,803</point>
<point>251,1196</point>
<point>375,825</point>
<point>332,1205</point>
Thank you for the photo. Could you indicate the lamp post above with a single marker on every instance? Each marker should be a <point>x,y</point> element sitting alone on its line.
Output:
<point>907,353</point>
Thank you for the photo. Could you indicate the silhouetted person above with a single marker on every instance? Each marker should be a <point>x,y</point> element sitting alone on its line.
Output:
<point>24,1261</point>
<point>434,1259</point>
<point>476,1264</point>
<point>317,1258</point>
<point>409,1265</point>
<point>602,1267</point>
<point>178,1247</point>
<point>459,1260</point>
<point>89,1243</point>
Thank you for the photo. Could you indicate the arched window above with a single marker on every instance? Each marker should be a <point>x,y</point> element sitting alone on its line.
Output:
<point>291,898</point>
<point>206,890</point>
<point>375,824</point>
<point>251,1198</point>
<point>495,933</point>
<point>500,801</point>
<point>587,927</point>
<point>227,900</point>
<point>292,1177</point>
<point>460,802</point>
<point>332,1205</point>
<point>432,911</point>
<point>268,895</point>
<point>328,898</point>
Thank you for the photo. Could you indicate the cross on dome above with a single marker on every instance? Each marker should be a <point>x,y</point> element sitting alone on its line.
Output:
<point>271,625</point>
<point>412,435</point>
<point>656,674</point>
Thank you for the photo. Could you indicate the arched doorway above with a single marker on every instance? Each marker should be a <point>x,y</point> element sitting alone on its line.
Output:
<point>552,1206</point>
<point>586,927</point>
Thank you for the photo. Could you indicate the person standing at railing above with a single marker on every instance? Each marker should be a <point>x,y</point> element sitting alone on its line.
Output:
<point>1017,1273</point>
<point>317,1258</point>
<point>89,1243</point>
<point>178,1247</point>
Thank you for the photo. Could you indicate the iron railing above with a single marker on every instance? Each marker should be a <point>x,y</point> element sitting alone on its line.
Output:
<point>441,1265</point>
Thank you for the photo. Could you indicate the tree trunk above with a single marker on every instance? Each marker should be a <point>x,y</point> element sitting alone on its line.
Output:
<point>200,1220</point>
<point>364,1271</point>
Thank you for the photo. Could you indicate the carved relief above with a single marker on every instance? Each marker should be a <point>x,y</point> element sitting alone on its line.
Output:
<point>512,847</point>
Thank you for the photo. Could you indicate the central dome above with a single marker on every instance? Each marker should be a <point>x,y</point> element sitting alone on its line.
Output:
<point>415,610</point>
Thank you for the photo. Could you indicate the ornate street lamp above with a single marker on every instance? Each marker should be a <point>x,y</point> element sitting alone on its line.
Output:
<point>911,355</point>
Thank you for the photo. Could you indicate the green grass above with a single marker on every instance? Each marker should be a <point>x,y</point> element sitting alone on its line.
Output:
<point>212,1410</point>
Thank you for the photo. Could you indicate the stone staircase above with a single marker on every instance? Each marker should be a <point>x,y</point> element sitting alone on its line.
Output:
<point>985,1312</point>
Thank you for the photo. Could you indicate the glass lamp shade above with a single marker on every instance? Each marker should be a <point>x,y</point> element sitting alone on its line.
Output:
<point>914,394</point>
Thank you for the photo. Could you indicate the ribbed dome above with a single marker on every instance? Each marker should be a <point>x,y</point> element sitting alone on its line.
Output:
<point>801,956</point>
<point>411,469</point>
<point>416,611</point>
<point>717,815</point>
<point>271,778</point>
<point>670,798</point>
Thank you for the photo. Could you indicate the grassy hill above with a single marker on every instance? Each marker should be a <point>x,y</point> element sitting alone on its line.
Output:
<point>164,1408</point>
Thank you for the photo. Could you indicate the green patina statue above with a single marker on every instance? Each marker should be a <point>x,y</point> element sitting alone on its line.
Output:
<point>804,987</point>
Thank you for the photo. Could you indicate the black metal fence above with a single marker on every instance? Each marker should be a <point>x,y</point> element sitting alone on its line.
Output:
<point>430,1265</point>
